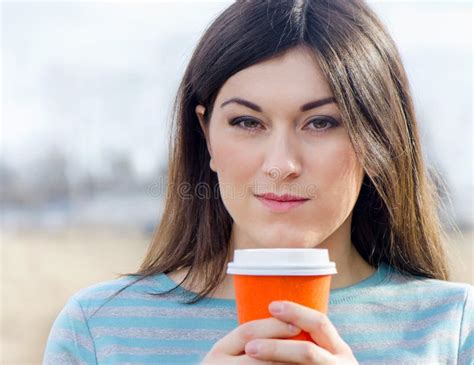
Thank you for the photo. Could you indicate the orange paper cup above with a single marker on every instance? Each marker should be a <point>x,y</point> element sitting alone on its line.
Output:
<point>299,275</point>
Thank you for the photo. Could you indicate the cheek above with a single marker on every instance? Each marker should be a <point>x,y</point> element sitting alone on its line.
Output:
<point>233,162</point>
<point>236,169</point>
<point>339,175</point>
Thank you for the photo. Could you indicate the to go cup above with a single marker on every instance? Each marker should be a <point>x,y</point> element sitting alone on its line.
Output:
<point>261,276</point>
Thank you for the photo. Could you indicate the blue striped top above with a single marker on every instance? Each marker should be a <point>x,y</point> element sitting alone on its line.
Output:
<point>386,319</point>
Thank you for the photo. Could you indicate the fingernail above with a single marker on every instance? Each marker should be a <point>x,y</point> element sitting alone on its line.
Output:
<point>252,348</point>
<point>276,307</point>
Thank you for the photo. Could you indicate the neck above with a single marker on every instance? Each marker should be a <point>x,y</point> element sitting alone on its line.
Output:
<point>351,267</point>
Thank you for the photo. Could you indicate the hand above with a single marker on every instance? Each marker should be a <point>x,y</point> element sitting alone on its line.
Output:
<point>230,350</point>
<point>331,349</point>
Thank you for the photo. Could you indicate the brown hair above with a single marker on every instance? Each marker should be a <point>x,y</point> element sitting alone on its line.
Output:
<point>395,219</point>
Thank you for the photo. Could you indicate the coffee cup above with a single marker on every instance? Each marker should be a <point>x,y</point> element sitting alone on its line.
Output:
<point>300,275</point>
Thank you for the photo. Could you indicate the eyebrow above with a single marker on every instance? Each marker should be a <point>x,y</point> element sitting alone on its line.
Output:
<point>311,105</point>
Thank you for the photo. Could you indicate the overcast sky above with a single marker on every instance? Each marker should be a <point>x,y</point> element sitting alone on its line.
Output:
<point>92,77</point>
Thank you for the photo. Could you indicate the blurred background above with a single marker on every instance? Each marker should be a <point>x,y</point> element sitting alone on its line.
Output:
<point>86,96</point>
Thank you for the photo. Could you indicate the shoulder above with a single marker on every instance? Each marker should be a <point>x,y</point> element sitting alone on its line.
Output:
<point>128,290</point>
<point>428,293</point>
<point>421,285</point>
<point>100,288</point>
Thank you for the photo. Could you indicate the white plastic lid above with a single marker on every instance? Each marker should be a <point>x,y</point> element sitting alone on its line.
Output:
<point>282,261</point>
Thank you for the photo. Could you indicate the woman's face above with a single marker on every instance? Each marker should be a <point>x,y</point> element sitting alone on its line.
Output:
<point>271,145</point>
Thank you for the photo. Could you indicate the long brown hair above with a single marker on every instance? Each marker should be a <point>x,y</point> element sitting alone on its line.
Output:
<point>396,217</point>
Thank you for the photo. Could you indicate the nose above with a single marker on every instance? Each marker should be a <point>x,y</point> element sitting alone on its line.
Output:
<point>282,157</point>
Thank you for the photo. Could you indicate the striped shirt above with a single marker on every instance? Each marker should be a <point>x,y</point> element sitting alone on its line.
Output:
<point>385,319</point>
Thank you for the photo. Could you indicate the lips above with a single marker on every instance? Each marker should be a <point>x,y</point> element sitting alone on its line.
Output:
<point>285,202</point>
<point>282,198</point>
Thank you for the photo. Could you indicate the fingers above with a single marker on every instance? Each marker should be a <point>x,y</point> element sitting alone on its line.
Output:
<point>289,351</point>
<point>234,342</point>
<point>247,360</point>
<point>317,324</point>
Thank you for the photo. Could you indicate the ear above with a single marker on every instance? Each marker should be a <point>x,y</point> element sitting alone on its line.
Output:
<point>200,110</point>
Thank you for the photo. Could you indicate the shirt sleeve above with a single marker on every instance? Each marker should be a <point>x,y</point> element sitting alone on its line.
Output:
<point>70,340</point>
<point>466,336</point>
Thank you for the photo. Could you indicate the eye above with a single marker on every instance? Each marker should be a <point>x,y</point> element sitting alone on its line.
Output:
<point>246,123</point>
<point>323,124</point>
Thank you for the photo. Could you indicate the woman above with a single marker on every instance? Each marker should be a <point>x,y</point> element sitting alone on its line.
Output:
<point>286,100</point>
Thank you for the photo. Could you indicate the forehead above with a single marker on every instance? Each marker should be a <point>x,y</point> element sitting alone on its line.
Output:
<point>293,78</point>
